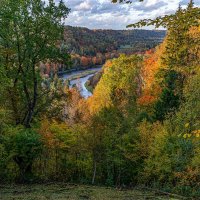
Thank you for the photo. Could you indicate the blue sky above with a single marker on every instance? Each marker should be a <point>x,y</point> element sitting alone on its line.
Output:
<point>102,14</point>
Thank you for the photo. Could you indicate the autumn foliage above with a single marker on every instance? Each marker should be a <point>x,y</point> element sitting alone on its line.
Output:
<point>141,126</point>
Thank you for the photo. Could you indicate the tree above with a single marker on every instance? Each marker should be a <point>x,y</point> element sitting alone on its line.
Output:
<point>118,85</point>
<point>170,98</point>
<point>113,109</point>
<point>29,35</point>
<point>179,58</point>
<point>150,83</point>
<point>190,18</point>
<point>23,146</point>
<point>187,118</point>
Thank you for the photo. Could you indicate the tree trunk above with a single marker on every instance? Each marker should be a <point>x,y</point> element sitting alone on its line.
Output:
<point>25,170</point>
<point>94,171</point>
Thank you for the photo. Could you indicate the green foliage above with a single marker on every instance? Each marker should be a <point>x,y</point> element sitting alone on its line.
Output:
<point>23,146</point>
<point>169,157</point>
<point>103,139</point>
<point>172,162</point>
<point>183,18</point>
<point>179,60</point>
<point>112,126</point>
<point>102,45</point>
<point>119,84</point>
<point>86,42</point>
<point>187,118</point>
<point>106,146</point>
<point>29,34</point>
<point>169,99</point>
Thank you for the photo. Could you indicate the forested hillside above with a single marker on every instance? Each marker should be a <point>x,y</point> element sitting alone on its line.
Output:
<point>94,47</point>
<point>86,42</point>
<point>140,128</point>
<point>89,48</point>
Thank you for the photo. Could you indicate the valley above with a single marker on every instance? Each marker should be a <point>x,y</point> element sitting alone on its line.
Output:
<point>79,78</point>
<point>99,112</point>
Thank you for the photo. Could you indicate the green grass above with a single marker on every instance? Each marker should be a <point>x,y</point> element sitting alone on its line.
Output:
<point>82,74</point>
<point>63,191</point>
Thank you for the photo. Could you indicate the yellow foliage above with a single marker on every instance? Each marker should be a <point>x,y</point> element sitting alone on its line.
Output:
<point>187,125</point>
<point>119,81</point>
<point>150,83</point>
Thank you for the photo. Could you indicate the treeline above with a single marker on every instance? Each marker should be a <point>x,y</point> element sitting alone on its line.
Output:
<point>140,127</point>
<point>89,48</point>
<point>94,47</point>
<point>86,42</point>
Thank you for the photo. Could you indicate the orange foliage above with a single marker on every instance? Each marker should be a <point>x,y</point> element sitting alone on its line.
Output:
<point>94,60</point>
<point>84,61</point>
<point>189,176</point>
<point>149,52</point>
<point>146,99</point>
<point>151,66</point>
<point>48,68</point>
<point>97,60</point>
<point>47,135</point>
<point>76,108</point>
<point>107,64</point>
<point>194,35</point>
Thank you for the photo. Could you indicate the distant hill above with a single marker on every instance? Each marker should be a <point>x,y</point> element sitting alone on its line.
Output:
<point>93,47</point>
<point>86,42</point>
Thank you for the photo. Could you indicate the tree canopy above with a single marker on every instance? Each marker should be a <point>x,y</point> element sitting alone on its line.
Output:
<point>29,35</point>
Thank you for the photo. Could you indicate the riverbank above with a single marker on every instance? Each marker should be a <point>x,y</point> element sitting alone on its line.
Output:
<point>64,191</point>
<point>93,81</point>
<point>76,70</point>
<point>79,78</point>
<point>82,74</point>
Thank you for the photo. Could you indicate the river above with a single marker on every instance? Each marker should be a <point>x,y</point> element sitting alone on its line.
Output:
<point>80,82</point>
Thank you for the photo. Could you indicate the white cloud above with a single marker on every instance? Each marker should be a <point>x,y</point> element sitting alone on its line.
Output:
<point>103,14</point>
<point>84,6</point>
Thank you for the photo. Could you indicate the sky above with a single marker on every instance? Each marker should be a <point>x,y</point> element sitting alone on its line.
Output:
<point>102,14</point>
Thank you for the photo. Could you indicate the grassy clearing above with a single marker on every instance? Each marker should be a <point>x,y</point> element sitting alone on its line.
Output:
<point>74,192</point>
<point>82,74</point>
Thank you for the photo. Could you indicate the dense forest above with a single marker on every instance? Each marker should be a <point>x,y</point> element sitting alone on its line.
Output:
<point>86,42</point>
<point>100,45</point>
<point>141,126</point>
<point>89,48</point>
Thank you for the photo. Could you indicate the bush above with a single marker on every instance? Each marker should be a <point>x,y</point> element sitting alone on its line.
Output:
<point>23,146</point>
